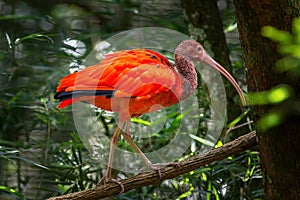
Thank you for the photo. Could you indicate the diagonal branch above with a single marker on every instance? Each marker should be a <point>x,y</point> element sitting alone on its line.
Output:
<point>111,189</point>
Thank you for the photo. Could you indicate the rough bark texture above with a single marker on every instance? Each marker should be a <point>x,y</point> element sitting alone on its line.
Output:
<point>111,189</point>
<point>279,146</point>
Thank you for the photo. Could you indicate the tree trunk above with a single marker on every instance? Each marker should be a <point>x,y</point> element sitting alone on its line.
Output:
<point>279,146</point>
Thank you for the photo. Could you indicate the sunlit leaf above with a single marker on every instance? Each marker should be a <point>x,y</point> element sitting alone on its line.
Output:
<point>201,140</point>
<point>275,95</point>
<point>290,65</point>
<point>219,143</point>
<point>204,177</point>
<point>208,193</point>
<point>270,120</point>
<point>279,94</point>
<point>276,35</point>
<point>10,190</point>
<point>140,121</point>
<point>217,197</point>
<point>231,27</point>
<point>184,195</point>
<point>238,119</point>
<point>257,98</point>
<point>290,49</point>
<point>8,40</point>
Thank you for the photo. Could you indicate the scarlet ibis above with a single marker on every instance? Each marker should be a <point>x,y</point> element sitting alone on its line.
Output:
<point>132,82</point>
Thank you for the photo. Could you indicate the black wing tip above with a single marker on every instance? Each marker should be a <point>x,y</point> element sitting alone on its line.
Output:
<point>81,93</point>
<point>59,95</point>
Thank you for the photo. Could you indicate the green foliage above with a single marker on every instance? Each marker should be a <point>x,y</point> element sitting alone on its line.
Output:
<point>289,46</point>
<point>275,95</point>
<point>72,166</point>
<point>285,95</point>
<point>11,193</point>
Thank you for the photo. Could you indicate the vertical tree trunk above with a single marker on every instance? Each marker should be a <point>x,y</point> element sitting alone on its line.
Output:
<point>279,146</point>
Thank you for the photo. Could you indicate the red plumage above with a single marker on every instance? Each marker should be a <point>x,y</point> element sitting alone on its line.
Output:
<point>141,77</point>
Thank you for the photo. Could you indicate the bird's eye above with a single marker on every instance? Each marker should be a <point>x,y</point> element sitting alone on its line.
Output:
<point>199,48</point>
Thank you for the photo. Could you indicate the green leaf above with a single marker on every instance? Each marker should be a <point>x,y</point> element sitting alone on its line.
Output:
<point>140,121</point>
<point>238,119</point>
<point>270,120</point>
<point>10,190</point>
<point>217,197</point>
<point>273,96</point>
<point>201,140</point>
<point>34,36</point>
<point>22,17</point>
<point>290,49</point>
<point>276,35</point>
<point>290,65</point>
<point>231,27</point>
<point>279,94</point>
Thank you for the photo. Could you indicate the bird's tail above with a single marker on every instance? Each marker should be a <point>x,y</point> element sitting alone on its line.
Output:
<point>68,92</point>
<point>67,83</point>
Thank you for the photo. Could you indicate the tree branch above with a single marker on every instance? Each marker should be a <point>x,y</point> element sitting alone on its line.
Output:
<point>111,189</point>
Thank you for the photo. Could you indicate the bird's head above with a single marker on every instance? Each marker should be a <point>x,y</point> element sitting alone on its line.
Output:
<point>190,50</point>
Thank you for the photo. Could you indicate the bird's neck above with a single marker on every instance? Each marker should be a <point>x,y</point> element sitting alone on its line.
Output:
<point>187,70</point>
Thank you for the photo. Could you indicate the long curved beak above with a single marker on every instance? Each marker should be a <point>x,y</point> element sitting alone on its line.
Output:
<point>208,60</point>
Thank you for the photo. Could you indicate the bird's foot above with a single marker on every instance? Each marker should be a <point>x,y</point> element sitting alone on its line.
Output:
<point>158,166</point>
<point>107,180</point>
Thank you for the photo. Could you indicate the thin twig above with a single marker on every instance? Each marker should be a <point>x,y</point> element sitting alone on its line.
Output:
<point>238,126</point>
<point>111,189</point>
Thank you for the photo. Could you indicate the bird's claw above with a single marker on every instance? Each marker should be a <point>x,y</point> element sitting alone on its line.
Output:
<point>158,166</point>
<point>107,180</point>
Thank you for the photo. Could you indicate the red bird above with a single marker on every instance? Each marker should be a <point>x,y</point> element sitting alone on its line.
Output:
<point>134,82</point>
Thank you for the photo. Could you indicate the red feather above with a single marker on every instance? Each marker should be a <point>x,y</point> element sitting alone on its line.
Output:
<point>144,77</point>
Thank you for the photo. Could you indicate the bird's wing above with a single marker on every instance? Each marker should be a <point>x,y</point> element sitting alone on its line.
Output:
<point>129,73</point>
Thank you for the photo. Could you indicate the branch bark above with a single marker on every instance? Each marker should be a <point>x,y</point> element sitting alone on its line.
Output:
<point>111,189</point>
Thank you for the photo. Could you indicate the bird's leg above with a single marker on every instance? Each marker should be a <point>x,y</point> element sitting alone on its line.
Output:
<point>113,142</point>
<point>155,167</point>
